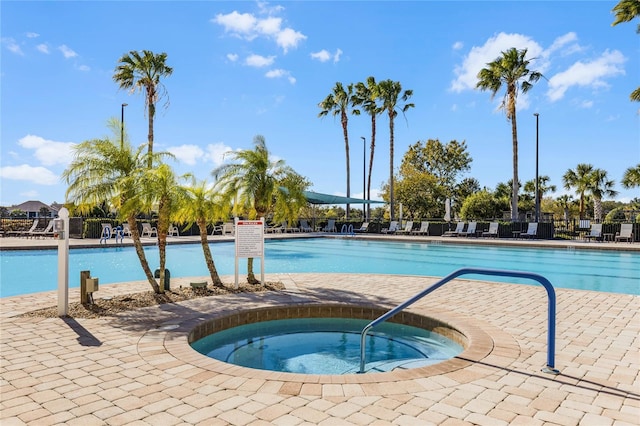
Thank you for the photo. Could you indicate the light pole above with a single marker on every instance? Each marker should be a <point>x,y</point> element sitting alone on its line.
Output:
<point>537,195</point>
<point>364,177</point>
<point>122,125</point>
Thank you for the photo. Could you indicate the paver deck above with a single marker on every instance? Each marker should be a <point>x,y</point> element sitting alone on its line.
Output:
<point>137,368</point>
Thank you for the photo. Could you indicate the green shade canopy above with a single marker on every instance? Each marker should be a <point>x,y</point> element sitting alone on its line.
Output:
<point>317,198</point>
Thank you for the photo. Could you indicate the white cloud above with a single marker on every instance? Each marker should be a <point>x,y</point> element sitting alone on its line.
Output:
<point>322,56</point>
<point>279,73</point>
<point>83,68</point>
<point>247,26</point>
<point>12,45</point>
<point>67,52</point>
<point>188,154</point>
<point>586,104</point>
<point>33,35</point>
<point>43,48</point>
<point>457,45</point>
<point>336,56</point>
<point>48,152</point>
<point>232,57</point>
<point>259,61</point>
<point>216,152</point>
<point>479,56</point>
<point>590,74</point>
<point>39,175</point>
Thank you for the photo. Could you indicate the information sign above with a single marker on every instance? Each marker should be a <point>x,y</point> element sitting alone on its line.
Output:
<point>249,239</point>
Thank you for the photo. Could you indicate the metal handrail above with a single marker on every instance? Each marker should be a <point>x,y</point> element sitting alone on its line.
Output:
<point>551,294</point>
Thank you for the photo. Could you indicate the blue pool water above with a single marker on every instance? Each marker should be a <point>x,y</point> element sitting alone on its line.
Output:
<point>30,271</point>
<point>326,346</point>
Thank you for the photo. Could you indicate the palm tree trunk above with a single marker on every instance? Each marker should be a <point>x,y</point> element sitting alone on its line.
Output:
<point>514,136</point>
<point>391,195</point>
<point>152,112</point>
<point>137,244</point>
<point>345,133</point>
<point>373,146</point>
<point>213,272</point>
<point>163,229</point>
<point>597,209</point>
<point>251,278</point>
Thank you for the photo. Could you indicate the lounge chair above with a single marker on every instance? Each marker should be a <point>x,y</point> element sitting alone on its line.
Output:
<point>46,232</point>
<point>493,230</point>
<point>287,228</point>
<point>228,228</point>
<point>25,233</point>
<point>455,232</point>
<point>126,230</point>
<point>331,226</point>
<point>363,228</point>
<point>304,226</point>
<point>471,230</point>
<point>272,229</point>
<point>626,233</point>
<point>408,227</point>
<point>596,232</point>
<point>393,228</point>
<point>424,229</point>
<point>173,231</point>
<point>148,230</point>
<point>532,231</point>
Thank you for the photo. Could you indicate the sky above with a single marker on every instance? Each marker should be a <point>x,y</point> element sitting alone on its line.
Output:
<point>246,68</point>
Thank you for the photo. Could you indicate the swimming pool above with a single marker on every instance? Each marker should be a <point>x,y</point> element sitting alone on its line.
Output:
<point>30,271</point>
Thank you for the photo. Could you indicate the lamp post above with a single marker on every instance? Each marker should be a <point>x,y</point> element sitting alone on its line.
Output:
<point>364,177</point>
<point>122,125</point>
<point>537,195</point>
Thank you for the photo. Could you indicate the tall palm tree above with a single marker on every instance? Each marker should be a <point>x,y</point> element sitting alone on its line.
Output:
<point>627,10</point>
<point>367,97</point>
<point>631,177</point>
<point>565,201</point>
<point>338,102</point>
<point>511,70</point>
<point>600,187</point>
<point>256,183</point>
<point>543,186</point>
<point>389,93</point>
<point>579,179</point>
<point>103,169</point>
<point>202,208</point>
<point>141,71</point>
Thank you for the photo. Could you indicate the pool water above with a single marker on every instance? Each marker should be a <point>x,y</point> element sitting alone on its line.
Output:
<point>326,346</point>
<point>30,271</point>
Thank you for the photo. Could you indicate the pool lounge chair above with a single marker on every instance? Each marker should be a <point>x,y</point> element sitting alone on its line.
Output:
<point>331,226</point>
<point>287,228</point>
<point>532,231</point>
<point>393,227</point>
<point>363,228</point>
<point>272,229</point>
<point>455,232</point>
<point>596,232</point>
<point>126,231</point>
<point>471,230</point>
<point>493,230</point>
<point>148,230</point>
<point>24,233</point>
<point>424,229</point>
<point>173,231</point>
<point>46,232</point>
<point>408,227</point>
<point>304,226</point>
<point>626,233</point>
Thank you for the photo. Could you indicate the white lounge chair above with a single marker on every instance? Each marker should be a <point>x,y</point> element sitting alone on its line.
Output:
<point>126,231</point>
<point>272,229</point>
<point>596,232</point>
<point>408,227</point>
<point>304,226</point>
<point>626,233</point>
<point>532,231</point>
<point>471,230</point>
<point>424,229</point>
<point>48,231</point>
<point>493,230</point>
<point>455,232</point>
<point>173,231</point>
<point>228,228</point>
<point>148,230</point>
<point>393,228</point>
<point>363,228</point>
<point>26,233</point>
<point>331,226</point>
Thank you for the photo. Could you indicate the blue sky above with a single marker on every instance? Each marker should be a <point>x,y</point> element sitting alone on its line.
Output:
<point>247,68</point>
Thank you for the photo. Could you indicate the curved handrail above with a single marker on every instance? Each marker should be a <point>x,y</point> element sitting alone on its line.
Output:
<point>551,295</point>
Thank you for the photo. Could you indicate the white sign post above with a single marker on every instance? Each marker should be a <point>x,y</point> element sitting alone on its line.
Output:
<point>250,243</point>
<point>61,228</point>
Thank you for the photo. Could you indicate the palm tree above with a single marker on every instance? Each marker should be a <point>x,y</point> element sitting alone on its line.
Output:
<point>627,10</point>
<point>389,92</point>
<point>257,183</point>
<point>103,169</point>
<point>510,70</point>
<point>367,96</point>
<point>565,201</point>
<point>201,207</point>
<point>631,177</point>
<point>600,187</point>
<point>338,103</point>
<point>141,71</point>
<point>543,186</point>
<point>580,180</point>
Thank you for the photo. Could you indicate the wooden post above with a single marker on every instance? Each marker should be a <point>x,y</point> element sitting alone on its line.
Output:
<point>83,286</point>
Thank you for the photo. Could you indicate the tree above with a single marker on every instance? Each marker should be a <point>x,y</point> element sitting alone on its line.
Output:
<point>389,91</point>
<point>631,177</point>
<point>511,70</point>
<point>201,206</point>
<point>338,102</point>
<point>256,183</point>
<point>543,187</point>
<point>367,97</point>
<point>565,202</point>
<point>103,169</point>
<point>627,10</point>
<point>600,187</point>
<point>481,205</point>
<point>579,179</point>
<point>141,71</point>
